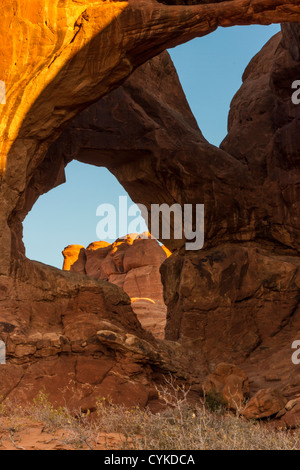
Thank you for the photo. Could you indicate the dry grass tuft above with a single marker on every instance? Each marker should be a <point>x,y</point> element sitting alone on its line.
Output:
<point>111,427</point>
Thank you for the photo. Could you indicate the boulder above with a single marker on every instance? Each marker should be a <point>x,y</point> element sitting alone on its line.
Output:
<point>289,416</point>
<point>229,383</point>
<point>265,404</point>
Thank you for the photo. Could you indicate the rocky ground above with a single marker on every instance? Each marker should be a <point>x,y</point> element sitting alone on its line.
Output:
<point>205,426</point>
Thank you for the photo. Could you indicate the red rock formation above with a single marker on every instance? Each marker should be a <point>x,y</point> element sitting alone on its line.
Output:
<point>72,254</point>
<point>236,300</point>
<point>60,328</point>
<point>289,416</point>
<point>264,404</point>
<point>52,341</point>
<point>77,337</point>
<point>229,384</point>
<point>133,265</point>
<point>248,290</point>
<point>57,59</point>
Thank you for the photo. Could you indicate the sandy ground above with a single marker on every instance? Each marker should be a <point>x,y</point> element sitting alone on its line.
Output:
<point>26,434</point>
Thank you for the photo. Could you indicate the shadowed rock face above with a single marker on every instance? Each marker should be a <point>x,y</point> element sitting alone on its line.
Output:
<point>76,337</point>
<point>62,327</point>
<point>249,291</point>
<point>237,299</point>
<point>56,59</point>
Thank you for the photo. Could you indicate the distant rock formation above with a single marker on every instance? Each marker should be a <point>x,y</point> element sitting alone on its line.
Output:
<point>132,264</point>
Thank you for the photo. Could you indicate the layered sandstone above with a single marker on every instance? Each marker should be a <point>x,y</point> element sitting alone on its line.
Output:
<point>74,337</point>
<point>56,59</point>
<point>132,264</point>
<point>248,290</point>
<point>238,299</point>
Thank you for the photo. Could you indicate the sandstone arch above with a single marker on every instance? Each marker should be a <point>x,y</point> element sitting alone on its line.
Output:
<point>90,321</point>
<point>62,38</point>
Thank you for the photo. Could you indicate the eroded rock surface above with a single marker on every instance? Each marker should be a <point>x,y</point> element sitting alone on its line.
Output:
<point>56,59</point>
<point>237,299</point>
<point>248,290</point>
<point>60,328</point>
<point>132,264</point>
<point>229,384</point>
<point>265,404</point>
<point>78,338</point>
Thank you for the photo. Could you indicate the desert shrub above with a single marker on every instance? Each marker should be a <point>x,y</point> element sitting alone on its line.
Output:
<point>201,430</point>
<point>215,401</point>
<point>53,418</point>
<point>177,427</point>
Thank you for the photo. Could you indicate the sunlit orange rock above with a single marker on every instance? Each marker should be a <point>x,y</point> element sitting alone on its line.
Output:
<point>57,58</point>
<point>71,255</point>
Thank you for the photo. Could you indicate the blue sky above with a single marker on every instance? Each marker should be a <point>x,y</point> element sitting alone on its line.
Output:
<point>210,70</point>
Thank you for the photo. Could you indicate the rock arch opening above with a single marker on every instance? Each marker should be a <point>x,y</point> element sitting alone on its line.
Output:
<point>211,70</point>
<point>67,214</point>
<point>144,136</point>
<point>65,219</point>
